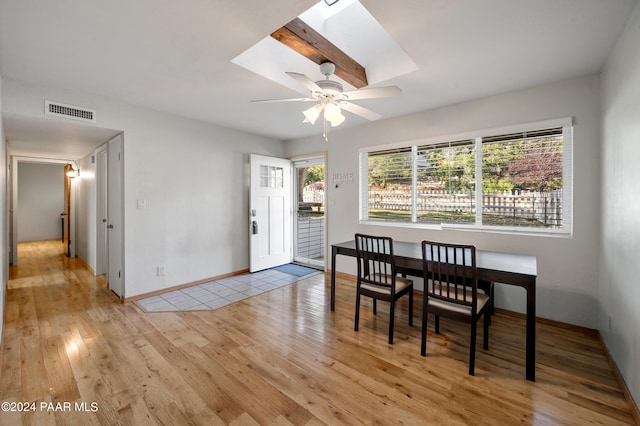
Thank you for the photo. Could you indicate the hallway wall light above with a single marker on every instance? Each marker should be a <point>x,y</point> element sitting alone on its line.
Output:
<point>72,173</point>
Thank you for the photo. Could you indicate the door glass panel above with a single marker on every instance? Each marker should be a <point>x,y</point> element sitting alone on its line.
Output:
<point>271,177</point>
<point>310,225</point>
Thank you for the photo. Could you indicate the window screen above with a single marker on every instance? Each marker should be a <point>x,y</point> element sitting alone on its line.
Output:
<point>499,181</point>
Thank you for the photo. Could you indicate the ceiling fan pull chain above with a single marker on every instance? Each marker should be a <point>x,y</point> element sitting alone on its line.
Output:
<point>324,133</point>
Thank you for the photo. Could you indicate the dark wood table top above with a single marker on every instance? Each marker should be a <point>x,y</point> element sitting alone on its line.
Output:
<point>489,260</point>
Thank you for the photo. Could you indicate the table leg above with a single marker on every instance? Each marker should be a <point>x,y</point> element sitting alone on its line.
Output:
<point>334,252</point>
<point>531,333</point>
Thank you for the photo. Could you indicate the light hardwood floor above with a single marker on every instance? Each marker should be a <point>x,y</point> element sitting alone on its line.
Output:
<point>277,358</point>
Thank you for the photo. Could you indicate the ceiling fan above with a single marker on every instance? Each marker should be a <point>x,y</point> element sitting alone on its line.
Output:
<point>332,99</point>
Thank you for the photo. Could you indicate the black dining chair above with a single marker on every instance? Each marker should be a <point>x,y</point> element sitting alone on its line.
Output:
<point>451,290</point>
<point>377,277</point>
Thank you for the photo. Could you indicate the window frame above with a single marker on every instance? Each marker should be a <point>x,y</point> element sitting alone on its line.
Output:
<point>477,136</point>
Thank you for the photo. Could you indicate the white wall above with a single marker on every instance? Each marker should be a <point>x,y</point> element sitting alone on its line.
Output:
<point>567,267</point>
<point>4,217</point>
<point>193,177</point>
<point>40,201</point>
<point>620,240</point>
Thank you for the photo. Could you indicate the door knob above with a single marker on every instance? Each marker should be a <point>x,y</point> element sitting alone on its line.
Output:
<point>110,226</point>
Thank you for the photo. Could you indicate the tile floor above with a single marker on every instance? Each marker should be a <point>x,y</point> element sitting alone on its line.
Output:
<point>215,294</point>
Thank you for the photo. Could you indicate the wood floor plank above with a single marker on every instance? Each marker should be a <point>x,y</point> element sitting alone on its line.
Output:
<point>278,358</point>
<point>203,381</point>
<point>34,383</point>
<point>62,383</point>
<point>297,384</point>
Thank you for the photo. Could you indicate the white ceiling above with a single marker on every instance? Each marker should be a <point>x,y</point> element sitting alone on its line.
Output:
<point>175,56</point>
<point>51,138</point>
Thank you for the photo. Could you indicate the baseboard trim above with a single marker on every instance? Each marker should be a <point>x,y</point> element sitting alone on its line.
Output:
<point>565,325</point>
<point>342,275</point>
<point>86,265</point>
<point>623,384</point>
<point>186,285</point>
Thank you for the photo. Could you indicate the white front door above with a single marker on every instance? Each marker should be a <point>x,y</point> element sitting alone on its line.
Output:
<point>269,212</point>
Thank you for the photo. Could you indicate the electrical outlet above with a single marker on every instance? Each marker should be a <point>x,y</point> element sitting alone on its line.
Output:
<point>162,270</point>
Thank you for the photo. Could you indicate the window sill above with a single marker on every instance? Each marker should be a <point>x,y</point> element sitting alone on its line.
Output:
<point>531,232</point>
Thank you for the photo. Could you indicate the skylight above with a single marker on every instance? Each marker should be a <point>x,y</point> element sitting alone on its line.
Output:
<point>350,27</point>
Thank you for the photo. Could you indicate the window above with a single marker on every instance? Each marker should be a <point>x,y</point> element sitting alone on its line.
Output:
<point>271,177</point>
<point>446,183</point>
<point>505,180</point>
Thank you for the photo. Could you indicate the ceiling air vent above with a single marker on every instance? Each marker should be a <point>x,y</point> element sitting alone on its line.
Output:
<point>69,111</point>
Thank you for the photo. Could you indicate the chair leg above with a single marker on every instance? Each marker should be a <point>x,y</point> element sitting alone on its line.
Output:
<point>487,321</point>
<point>355,326</point>
<point>472,349</point>
<point>391,320</point>
<point>437,324</point>
<point>375,310</point>
<point>423,343</point>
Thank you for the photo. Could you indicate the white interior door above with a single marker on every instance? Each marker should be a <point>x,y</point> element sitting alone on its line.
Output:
<point>115,223</point>
<point>269,212</point>
<point>72,217</point>
<point>102,259</point>
<point>13,212</point>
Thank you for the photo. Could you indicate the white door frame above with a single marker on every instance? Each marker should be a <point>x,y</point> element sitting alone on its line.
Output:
<point>313,159</point>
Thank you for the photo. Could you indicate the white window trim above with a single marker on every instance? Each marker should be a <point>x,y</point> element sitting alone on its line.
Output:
<point>477,135</point>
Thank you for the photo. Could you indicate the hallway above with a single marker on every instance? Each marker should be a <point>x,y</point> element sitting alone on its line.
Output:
<point>52,301</point>
<point>76,355</point>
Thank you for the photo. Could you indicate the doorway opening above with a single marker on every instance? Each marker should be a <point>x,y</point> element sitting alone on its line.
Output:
<point>309,234</point>
<point>43,197</point>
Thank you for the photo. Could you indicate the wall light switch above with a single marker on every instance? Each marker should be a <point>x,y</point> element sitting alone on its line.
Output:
<point>142,204</point>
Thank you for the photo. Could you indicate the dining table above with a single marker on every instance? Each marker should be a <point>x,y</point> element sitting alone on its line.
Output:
<point>498,267</point>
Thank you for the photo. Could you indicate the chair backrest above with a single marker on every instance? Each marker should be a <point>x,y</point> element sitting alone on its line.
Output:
<point>375,261</point>
<point>450,272</point>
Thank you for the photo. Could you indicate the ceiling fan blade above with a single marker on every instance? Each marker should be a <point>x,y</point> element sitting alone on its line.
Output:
<point>306,82</point>
<point>285,100</point>
<point>374,92</point>
<point>358,110</point>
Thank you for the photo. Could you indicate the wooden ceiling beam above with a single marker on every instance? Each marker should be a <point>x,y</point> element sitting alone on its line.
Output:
<point>300,37</point>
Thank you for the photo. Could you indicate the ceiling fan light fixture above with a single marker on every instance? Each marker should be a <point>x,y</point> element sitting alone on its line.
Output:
<point>332,98</point>
<point>332,112</point>
<point>337,121</point>
<point>312,114</point>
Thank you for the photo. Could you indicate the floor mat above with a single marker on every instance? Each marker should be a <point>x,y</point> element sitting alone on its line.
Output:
<point>296,270</point>
<point>218,293</point>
